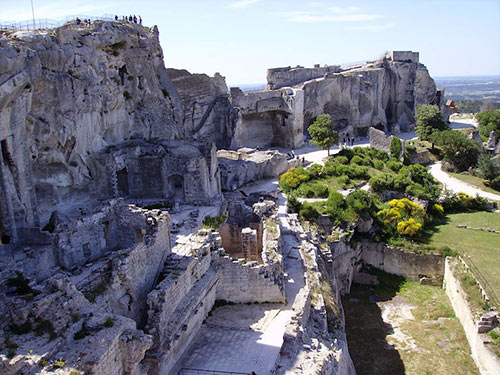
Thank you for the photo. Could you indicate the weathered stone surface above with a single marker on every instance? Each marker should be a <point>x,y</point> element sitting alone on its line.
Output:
<point>245,165</point>
<point>491,141</point>
<point>288,77</point>
<point>208,114</point>
<point>381,141</point>
<point>70,92</point>
<point>166,171</point>
<point>268,118</point>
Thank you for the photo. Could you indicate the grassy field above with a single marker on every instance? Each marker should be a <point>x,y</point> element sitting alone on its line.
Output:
<point>482,247</point>
<point>402,327</point>
<point>474,181</point>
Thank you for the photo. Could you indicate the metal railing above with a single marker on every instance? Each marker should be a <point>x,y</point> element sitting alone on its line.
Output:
<point>195,371</point>
<point>44,23</point>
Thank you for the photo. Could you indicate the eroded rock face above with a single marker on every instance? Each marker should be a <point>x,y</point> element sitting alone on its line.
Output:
<point>207,112</point>
<point>385,95</point>
<point>244,165</point>
<point>67,93</point>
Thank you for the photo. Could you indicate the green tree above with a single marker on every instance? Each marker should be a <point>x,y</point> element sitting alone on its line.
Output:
<point>461,152</point>
<point>489,120</point>
<point>396,147</point>
<point>322,132</point>
<point>429,119</point>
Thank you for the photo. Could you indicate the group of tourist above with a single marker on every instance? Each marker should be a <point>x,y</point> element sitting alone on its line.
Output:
<point>130,18</point>
<point>134,19</point>
<point>347,141</point>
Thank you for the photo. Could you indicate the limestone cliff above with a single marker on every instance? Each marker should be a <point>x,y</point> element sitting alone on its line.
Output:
<point>384,95</point>
<point>69,92</point>
<point>208,114</point>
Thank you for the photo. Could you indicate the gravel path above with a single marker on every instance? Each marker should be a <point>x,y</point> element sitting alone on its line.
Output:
<point>456,185</point>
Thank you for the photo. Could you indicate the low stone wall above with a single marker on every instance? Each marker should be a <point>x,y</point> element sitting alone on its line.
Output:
<point>249,282</point>
<point>399,262</point>
<point>487,362</point>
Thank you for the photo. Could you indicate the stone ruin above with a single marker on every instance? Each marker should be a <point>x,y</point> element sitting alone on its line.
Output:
<point>102,149</point>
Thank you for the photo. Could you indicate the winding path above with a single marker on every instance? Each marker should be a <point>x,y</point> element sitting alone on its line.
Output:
<point>456,185</point>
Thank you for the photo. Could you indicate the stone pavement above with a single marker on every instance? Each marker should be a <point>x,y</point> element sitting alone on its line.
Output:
<point>246,338</point>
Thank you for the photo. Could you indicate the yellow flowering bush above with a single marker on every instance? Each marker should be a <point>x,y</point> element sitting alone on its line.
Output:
<point>407,216</point>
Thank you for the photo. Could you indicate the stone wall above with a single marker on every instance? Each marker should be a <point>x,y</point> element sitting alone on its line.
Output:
<point>486,360</point>
<point>288,77</point>
<point>381,141</point>
<point>400,262</point>
<point>181,171</point>
<point>179,304</point>
<point>404,56</point>
<point>134,274</point>
<point>247,282</point>
<point>245,165</point>
<point>92,236</point>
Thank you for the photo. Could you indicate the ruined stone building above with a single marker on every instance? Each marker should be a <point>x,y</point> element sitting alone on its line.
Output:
<point>101,145</point>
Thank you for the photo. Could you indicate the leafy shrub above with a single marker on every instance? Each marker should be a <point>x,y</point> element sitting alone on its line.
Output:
<point>214,223</point>
<point>462,202</point>
<point>407,216</point>
<point>457,149</point>
<point>395,147</point>
<point>342,160</point>
<point>343,181</point>
<point>314,171</point>
<point>293,178</point>
<point>293,204</point>
<point>361,202</point>
<point>308,212</point>
<point>378,164</point>
<point>109,323</point>
<point>409,228</point>
<point>489,120</point>
<point>313,189</point>
<point>382,182</point>
<point>411,149</point>
<point>394,165</point>
<point>437,210</point>
<point>356,159</point>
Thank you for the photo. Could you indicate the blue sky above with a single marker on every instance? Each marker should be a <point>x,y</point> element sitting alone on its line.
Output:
<point>242,38</point>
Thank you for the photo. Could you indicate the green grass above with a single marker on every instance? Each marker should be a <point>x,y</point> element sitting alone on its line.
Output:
<point>474,181</point>
<point>482,247</point>
<point>441,347</point>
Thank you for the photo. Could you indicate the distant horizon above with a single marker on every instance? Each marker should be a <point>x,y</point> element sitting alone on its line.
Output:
<point>440,77</point>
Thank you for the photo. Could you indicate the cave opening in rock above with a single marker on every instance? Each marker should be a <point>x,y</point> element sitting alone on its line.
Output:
<point>177,186</point>
<point>122,177</point>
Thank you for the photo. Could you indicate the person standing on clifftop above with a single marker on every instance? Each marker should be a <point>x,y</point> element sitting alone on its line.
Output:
<point>140,20</point>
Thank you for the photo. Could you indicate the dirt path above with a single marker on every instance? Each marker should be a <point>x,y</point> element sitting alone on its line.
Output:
<point>456,185</point>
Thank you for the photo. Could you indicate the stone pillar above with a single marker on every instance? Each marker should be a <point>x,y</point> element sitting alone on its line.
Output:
<point>249,246</point>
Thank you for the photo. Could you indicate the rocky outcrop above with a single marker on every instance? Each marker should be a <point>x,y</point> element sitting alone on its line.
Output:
<point>384,95</point>
<point>288,77</point>
<point>245,165</point>
<point>208,114</point>
<point>67,93</point>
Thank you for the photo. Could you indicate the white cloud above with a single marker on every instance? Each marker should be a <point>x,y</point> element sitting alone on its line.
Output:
<point>243,3</point>
<point>307,17</point>
<point>373,27</point>
<point>344,10</point>
<point>320,12</point>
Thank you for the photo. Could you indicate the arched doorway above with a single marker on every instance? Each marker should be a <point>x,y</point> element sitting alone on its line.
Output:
<point>177,186</point>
